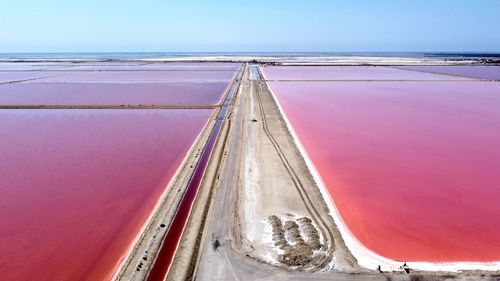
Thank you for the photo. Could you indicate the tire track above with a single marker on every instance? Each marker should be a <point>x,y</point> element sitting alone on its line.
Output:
<point>325,231</point>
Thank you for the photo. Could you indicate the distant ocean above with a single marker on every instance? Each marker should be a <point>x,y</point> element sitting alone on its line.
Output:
<point>151,55</point>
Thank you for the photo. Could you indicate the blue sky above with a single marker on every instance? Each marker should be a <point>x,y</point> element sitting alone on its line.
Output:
<point>253,26</point>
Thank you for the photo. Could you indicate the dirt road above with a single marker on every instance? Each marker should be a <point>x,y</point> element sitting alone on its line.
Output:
<point>267,209</point>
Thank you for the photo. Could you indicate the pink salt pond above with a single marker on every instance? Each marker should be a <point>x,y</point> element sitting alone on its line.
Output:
<point>144,76</point>
<point>14,76</point>
<point>161,66</point>
<point>115,94</point>
<point>471,71</point>
<point>412,167</point>
<point>319,73</point>
<point>21,66</point>
<point>78,185</point>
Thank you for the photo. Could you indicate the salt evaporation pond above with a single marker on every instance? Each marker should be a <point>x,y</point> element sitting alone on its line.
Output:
<point>481,72</point>
<point>21,66</point>
<point>318,73</point>
<point>413,167</point>
<point>78,185</point>
<point>62,93</point>
<point>144,76</point>
<point>170,66</point>
<point>12,76</point>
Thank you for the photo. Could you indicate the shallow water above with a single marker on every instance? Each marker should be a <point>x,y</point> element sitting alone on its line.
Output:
<point>145,76</point>
<point>413,167</point>
<point>78,185</point>
<point>170,66</point>
<point>482,72</point>
<point>53,93</point>
<point>315,73</point>
<point>12,76</point>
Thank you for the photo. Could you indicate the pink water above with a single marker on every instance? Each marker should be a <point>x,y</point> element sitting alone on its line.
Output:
<point>22,66</point>
<point>145,76</point>
<point>78,185</point>
<point>482,72</point>
<point>50,93</point>
<point>160,66</point>
<point>413,167</point>
<point>11,76</point>
<point>347,73</point>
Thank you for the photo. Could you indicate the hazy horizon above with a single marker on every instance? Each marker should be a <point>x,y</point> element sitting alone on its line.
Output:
<point>153,26</point>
